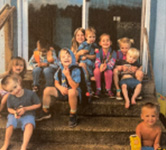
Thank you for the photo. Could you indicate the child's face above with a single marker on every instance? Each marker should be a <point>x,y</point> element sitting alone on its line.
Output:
<point>65,58</point>
<point>91,37</point>
<point>80,37</point>
<point>130,58</point>
<point>150,116</point>
<point>124,47</point>
<point>18,67</point>
<point>105,42</point>
<point>14,88</point>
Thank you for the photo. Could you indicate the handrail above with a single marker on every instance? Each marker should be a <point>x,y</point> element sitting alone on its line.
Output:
<point>5,13</point>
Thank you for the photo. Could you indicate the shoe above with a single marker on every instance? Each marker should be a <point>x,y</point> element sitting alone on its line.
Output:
<point>118,96</point>
<point>139,97</point>
<point>73,120</point>
<point>110,94</point>
<point>43,116</point>
<point>97,94</point>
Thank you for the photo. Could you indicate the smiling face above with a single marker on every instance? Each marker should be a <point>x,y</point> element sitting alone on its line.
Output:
<point>124,47</point>
<point>105,42</point>
<point>80,37</point>
<point>150,116</point>
<point>18,67</point>
<point>90,37</point>
<point>14,88</point>
<point>65,58</point>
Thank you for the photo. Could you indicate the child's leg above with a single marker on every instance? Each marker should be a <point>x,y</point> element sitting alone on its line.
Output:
<point>8,134</point>
<point>139,75</point>
<point>3,101</point>
<point>73,100</point>
<point>36,75</point>
<point>136,93</point>
<point>116,81</point>
<point>108,79</point>
<point>83,65</point>
<point>49,76</point>
<point>48,92</point>
<point>125,94</point>
<point>27,135</point>
<point>97,75</point>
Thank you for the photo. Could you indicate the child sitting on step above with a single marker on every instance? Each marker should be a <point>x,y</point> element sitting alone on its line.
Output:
<point>66,87</point>
<point>21,104</point>
<point>105,61</point>
<point>124,45</point>
<point>148,130</point>
<point>17,65</point>
<point>44,61</point>
<point>128,81</point>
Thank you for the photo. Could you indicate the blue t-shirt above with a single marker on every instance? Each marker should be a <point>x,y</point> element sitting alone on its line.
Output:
<point>29,98</point>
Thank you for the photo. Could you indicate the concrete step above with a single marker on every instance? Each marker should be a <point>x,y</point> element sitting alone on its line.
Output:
<point>103,106</point>
<point>54,146</point>
<point>90,131</point>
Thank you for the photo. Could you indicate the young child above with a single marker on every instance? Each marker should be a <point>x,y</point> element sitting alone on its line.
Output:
<point>78,38</point>
<point>127,70</point>
<point>21,105</point>
<point>124,45</point>
<point>148,130</point>
<point>17,65</point>
<point>105,61</point>
<point>87,59</point>
<point>65,88</point>
<point>44,61</point>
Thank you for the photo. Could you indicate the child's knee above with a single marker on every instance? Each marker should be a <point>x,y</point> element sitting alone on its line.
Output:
<point>124,86</point>
<point>139,75</point>
<point>72,93</point>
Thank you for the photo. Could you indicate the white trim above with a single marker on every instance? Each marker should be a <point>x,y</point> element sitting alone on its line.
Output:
<point>22,27</point>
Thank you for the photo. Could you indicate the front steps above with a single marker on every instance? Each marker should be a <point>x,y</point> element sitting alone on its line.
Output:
<point>104,124</point>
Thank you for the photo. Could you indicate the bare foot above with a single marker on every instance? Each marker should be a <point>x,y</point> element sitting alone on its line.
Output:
<point>133,102</point>
<point>92,78</point>
<point>127,104</point>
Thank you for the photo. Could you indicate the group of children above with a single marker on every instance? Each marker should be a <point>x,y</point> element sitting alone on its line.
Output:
<point>63,78</point>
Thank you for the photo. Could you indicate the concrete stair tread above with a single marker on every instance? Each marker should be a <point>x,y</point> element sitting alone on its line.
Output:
<point>54,146</point>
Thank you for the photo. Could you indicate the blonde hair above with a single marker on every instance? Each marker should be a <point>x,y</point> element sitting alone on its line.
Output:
<point>134,52</point>
<point>13,62</point>
<point>150,106</point>
<point>90,30</point>
<point>74,43</point>
<point>125,40</point>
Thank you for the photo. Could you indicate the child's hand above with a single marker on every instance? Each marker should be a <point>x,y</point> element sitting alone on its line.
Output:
<point>156,146</point>
<point>84,58</point>
<point>66,72</point>
<point>42,64</point>
<point>20,111</point>
<point>134,69</point>
<point>103,67</point>
<point>120,68</point>
<point>63,90</point>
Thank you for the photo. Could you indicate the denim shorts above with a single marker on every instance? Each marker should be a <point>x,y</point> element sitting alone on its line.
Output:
<point>131,82</point>
<point>147,148</point>
<point>20,123</point>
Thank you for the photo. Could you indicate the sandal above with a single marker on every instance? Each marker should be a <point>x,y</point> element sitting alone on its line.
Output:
<point>118,96</point>
<point>35,89</point>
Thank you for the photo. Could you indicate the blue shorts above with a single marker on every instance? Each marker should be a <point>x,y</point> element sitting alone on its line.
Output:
<point>147,148</point>
<point>20,123</point>
<point>131,82</point>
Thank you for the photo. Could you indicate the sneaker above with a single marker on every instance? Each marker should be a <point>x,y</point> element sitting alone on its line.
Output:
<point>97,94</point>
<point>43,116</point>
<point>110,94</point>
<point>139,97</point>
<point>73,120</point>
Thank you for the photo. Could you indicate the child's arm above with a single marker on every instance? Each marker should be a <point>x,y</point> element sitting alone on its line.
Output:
<point>3,101</point>
<point>157,140</point>
<point>71,82</point>
<point>80,53</point>
<point>22,110</point>
<point>138,131</point>
<point>92,57</point>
